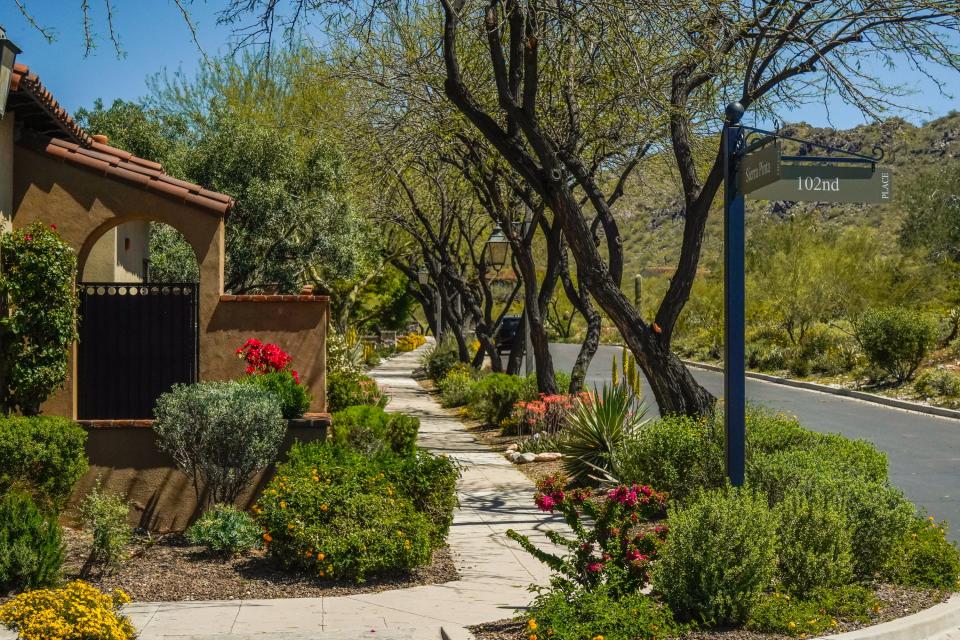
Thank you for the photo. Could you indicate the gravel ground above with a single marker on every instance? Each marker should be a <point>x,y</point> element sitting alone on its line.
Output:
<point>895,602</point>
<point>169,568</point>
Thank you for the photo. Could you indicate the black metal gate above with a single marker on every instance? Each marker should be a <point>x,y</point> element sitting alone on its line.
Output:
<point>136,341</point>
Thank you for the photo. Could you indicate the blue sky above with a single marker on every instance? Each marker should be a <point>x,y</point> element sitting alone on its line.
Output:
<point>157,38</point>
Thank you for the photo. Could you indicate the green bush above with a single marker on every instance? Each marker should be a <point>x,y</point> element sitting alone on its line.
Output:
<point>925,558</point>
<point>718,558</point>
<point>937,382</point>
<point>43,455</point>
<point>349,390</point>
<point>679,455</point>
<point>817,614</point>
<point>220,434</point>
<point>294,397</point>
<point>370,430</point>
<point>770,432</point>
<point>457,387</point>
<point>226,529</point>
<point>895,339</point>
<point>440,359</point>
<point>104,516</point>
<point>338,513</point>
<point>586,614</point>
<point>38,304</point>
<point>494,396</point>
<point>31,548</point>
<point>814,547</point>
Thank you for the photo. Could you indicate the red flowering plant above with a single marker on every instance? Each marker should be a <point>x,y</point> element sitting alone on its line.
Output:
<point>269,367</point>
<point>615,539</point>
<point>548,414</point>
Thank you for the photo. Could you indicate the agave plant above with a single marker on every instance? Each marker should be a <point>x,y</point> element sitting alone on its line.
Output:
<point>597,428</point>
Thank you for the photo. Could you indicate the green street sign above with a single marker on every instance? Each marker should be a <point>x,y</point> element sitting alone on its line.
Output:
<point>760,167</point>
<point>829,183</point>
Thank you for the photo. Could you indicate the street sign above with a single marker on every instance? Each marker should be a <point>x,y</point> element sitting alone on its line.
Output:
<point>829,183</point>
<point>760,167</point>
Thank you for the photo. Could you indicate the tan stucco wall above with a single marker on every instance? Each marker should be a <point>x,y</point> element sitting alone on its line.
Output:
<point>118,255</point>
<point>6,171</point>
<point>161,497</point>
<point>101,263</point>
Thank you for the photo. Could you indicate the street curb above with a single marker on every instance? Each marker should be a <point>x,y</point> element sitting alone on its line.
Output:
<point>455,633</point>
<point>929,624</point>
<point>837,391</point>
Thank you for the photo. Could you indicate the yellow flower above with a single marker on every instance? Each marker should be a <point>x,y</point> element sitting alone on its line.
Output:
<point>283,504</point>
<point>930,518</point>
<point>597,637</point>
<point>291,526</point>
<point>533,636</point>
<point>833,622</point>
<point>532,624</point>
<point>329,568</point>
<point>324,507</point>
<point>321,556</point>
<point>792,624</point>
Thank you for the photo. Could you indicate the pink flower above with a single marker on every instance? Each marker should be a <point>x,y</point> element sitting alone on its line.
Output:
<point>545,503</point>
<point>595,567</point>
<point>28,237</point>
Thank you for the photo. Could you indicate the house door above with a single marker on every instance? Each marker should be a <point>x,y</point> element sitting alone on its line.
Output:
<point>136,341</point>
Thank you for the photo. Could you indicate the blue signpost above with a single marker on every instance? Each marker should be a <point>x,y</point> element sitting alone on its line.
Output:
<point>757,167</point>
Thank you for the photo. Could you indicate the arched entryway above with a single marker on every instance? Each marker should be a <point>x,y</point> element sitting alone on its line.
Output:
<point>138,320</point>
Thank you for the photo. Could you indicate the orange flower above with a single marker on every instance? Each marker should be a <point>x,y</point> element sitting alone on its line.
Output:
<point>267,537</point>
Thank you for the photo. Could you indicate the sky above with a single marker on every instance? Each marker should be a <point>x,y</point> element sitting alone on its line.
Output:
<point>154,37</point>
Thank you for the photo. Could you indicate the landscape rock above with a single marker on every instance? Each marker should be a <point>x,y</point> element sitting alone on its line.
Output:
<point>527,457</point>
<point>549,456</point>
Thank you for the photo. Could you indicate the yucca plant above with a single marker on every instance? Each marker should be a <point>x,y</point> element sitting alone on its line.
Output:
<point>597,429</point>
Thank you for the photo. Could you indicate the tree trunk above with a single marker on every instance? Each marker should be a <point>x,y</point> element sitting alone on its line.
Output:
<point>580,299</point>
<point>539,340</point>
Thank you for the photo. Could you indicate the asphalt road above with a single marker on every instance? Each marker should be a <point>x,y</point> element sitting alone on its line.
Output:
<point>924,451</point>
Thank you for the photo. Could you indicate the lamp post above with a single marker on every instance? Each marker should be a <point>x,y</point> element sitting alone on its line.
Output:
<point>423,278</point>
<point>8,56</point>
<point>497,247</point>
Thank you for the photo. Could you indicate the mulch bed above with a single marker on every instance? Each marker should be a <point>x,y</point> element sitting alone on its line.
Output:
<point>895,602</point>
<point>169,568</point>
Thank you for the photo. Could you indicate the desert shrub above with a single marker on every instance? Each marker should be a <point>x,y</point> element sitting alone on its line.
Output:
<point>719,557</point>
<point>542,443</point>
<point>820,612</point>
<point>814,547</point>
<point>77,611</point>
<point>43,455</point>
<point>294,398</point>
<point>31,548</point>
<point>938,382</point>
<point>38,304</point>
<point>494,396</point>
<point>370,429</point>
<point>679,455</point>
<point>598,613</point>
<point>878,515</point>
<point>438,360</point>
<point>924,557</point>
<point>457,387</point>
<point>607,548</point>
<point>349,390</point>
<point>895,339</point>
<point>220,434</point>
<point>410,341</point>
<point>226,529</point>
<point>770,432</point>
<point>343,518</point>
<point>598,428</point>
<point>104,516</point>
<point>344,354</point>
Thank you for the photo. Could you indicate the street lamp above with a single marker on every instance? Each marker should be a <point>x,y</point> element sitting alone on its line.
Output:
<point>423,276</point>
<point>8,55</point>
<point>497,248</point>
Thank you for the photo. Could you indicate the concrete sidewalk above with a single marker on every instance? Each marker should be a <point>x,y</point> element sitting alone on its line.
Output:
<point>494,571</point>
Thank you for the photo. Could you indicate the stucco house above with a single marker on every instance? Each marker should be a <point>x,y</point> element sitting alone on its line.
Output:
<point>138,338</point>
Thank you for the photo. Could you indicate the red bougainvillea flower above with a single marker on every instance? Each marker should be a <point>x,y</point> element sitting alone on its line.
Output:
<point>28,237</point>
<point>54,227</point>
<point>263,358</point>
<point>296,376</point>
<point>595,567</point>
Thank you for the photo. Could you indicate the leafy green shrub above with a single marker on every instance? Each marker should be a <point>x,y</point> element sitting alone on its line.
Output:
<point>31,548</point>
<point>586,614</point>
<point>44,455</point>
<point>925,558</point>
<point>598,428</point>
<point>895,339</point>
<point>349,390</point>
<point>878,515</point>
<point>294,397</point>
<point>679,455</point>
<point>220,434</point>
<point>344,354</point>
<point>457,387</point>
<point>814,544</point>
<point>440,359</point>
<point>938,382</point>
<point>338,513</point>
<point>38,304</point>
<point>104,516</point>
<point>816,614</point>
<point>370,429</point>
<point>494,396</point>
<point>719,556</point>
<point>770,432</point>
<point>226,529</point>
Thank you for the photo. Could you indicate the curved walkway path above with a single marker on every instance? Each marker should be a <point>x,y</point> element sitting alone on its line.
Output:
<point>494,571</point>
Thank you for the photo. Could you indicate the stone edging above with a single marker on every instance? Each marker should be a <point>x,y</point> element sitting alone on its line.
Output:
<point>929,624</point>
<point>839,391</point>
